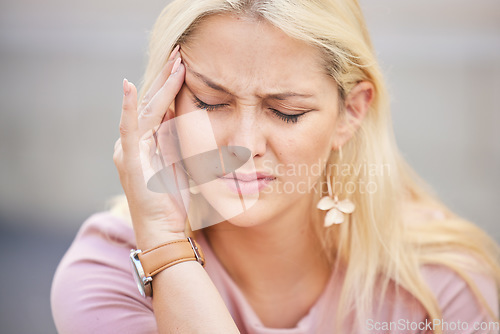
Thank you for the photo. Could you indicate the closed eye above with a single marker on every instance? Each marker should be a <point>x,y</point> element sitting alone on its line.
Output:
<point>286,117</point>
<point>211,107</point>
<point>208,107</point>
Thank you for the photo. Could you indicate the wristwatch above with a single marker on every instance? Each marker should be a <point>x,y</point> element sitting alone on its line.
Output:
<point>146,264</point>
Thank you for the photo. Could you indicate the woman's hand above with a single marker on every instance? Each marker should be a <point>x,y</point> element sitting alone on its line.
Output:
<point>156,217</point>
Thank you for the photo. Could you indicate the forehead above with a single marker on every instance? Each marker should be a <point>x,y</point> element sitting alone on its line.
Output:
<point>253,55</point>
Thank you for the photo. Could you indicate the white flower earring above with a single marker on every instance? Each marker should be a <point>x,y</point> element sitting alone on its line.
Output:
<point>336,209</point>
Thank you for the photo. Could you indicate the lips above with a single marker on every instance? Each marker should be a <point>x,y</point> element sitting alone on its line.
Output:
<point>246,184</point>
<point>243,177</point>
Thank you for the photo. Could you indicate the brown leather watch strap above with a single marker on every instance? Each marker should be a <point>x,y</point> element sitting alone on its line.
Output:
<point>168,254</point>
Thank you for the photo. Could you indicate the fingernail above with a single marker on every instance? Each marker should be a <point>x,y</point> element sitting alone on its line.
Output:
<point>176,66</point>
<point>126,87</point>
<point>174,52</point>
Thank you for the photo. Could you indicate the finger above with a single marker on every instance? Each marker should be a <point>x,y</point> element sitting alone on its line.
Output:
<point>117,143</point>
<point>117,152</point>
<point>167,142</point>
<point>148,169</point>
<point>154,113</point>
<point>128,122</point>
<point>160,79</point>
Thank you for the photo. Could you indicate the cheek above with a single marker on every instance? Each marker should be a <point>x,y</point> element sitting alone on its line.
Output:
<point>302,152</point>
<point>193,128</point>
<point>312,138</point>
<point>222,130</point>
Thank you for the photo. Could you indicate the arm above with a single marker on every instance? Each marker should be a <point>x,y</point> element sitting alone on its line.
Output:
<point>185,300</point>
<point>93,290</point>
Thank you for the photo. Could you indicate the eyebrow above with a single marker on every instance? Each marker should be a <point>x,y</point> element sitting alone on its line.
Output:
<point>278,96</point>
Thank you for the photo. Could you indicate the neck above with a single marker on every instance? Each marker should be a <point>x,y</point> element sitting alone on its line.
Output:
<point>277,261</point>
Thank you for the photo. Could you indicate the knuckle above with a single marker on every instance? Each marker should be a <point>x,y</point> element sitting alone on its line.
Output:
<point>127,105</point>
<point>146,111</point>
<point>124,130</point>
<point>145,100</point>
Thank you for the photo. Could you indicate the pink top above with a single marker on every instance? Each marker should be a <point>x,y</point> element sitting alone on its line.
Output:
<point>94,292</point>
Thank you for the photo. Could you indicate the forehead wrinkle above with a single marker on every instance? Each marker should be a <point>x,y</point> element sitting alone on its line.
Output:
<point>279,95</point>
<point>208,82</point>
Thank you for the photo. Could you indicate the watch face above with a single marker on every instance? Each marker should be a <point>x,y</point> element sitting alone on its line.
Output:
<point>143,282</point>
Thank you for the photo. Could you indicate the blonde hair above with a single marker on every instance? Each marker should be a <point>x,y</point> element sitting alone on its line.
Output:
<point>375,245</point>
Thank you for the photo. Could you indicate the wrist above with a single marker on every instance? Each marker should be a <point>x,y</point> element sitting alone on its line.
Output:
<point>150,262</point>
<point>149,240</point>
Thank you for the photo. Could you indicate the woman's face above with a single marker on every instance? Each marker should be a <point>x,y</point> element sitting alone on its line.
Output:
<point>267,92</point>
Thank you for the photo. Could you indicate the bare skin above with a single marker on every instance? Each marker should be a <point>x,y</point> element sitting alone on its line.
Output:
<point>269,251</point>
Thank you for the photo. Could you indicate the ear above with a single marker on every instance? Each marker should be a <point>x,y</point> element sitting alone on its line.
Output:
<point>356,106</point>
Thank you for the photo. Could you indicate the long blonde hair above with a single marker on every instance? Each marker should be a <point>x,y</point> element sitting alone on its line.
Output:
<point>375,245</point>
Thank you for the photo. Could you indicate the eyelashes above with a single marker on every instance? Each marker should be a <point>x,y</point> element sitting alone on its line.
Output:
<point>285,117</point>
<point>208,107</point>
<point>212,107</point>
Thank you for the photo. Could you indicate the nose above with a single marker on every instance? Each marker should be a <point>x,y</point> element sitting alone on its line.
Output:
<point>247,131</point>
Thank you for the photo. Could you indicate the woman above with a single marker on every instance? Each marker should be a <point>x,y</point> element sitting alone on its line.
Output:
<point>312,221</point>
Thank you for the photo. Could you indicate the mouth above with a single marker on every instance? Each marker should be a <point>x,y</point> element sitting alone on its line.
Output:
<point>243,183</point>
<point>243,177</point>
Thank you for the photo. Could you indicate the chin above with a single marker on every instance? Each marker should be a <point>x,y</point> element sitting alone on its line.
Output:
<point>256,215</point>
<point>246,219</point>
<point>263,212</point>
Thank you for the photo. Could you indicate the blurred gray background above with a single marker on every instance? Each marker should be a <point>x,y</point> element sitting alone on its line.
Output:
<point>62,65</point>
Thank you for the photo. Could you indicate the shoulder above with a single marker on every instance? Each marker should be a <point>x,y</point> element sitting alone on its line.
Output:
<point>461,299</point>
<point>93,289</point>
<point>102,238</point>
<point>459,294</point>
<point>461,309</point>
